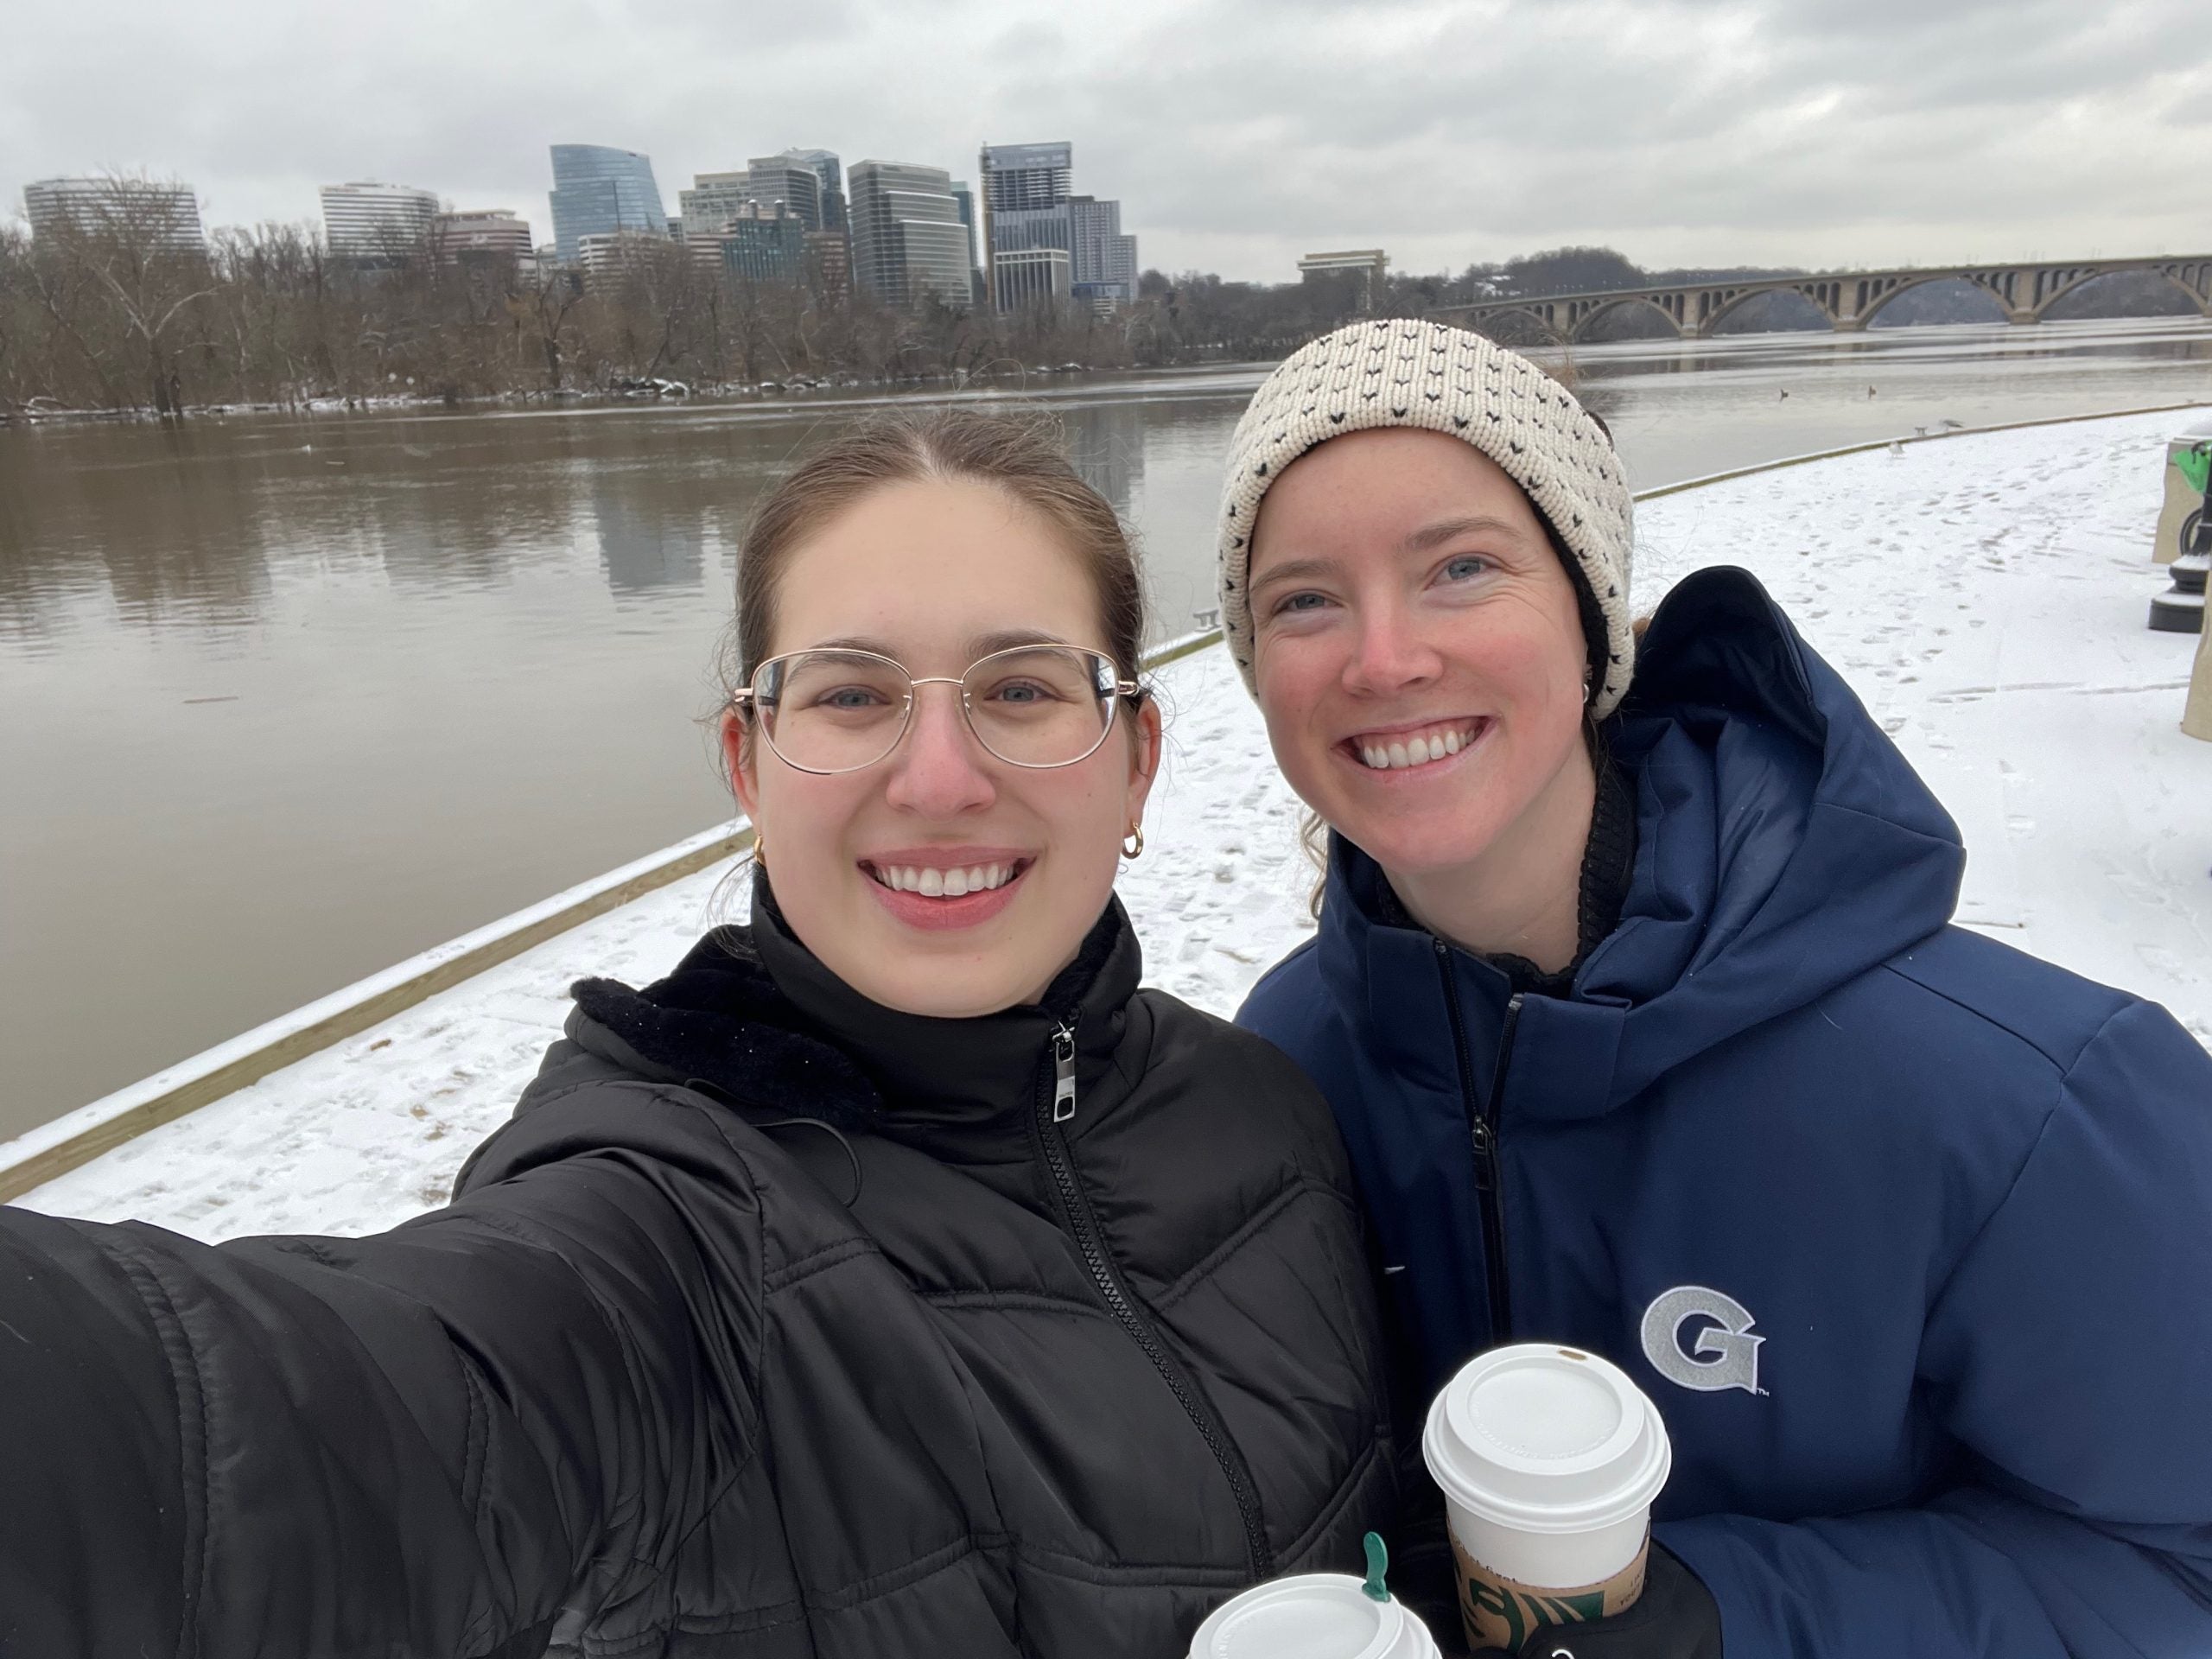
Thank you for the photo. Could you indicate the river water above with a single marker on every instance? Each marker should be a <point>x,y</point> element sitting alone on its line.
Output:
<point>284,700</point>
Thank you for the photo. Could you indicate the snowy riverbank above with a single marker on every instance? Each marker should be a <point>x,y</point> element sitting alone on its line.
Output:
<point>1986,595</point>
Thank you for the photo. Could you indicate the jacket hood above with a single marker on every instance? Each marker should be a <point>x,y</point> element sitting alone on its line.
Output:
<point>1783,847</point>
<point>755,1014</point>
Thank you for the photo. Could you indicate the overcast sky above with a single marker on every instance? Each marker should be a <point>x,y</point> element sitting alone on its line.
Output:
<point>1238,135</point>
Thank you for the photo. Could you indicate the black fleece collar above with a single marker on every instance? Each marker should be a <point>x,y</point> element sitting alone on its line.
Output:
<point>755,1014</point>
<point>720,1019</point>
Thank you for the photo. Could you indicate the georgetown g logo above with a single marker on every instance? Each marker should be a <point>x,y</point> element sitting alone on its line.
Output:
<point>1725,1355</point>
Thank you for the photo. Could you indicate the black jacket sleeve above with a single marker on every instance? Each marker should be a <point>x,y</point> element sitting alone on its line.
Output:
<point>422,1443</point>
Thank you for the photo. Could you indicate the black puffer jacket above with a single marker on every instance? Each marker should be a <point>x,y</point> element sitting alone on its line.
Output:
<point>776,1323</point>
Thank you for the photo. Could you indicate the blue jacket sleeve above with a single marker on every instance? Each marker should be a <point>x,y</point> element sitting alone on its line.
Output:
<point>2069,1354</point>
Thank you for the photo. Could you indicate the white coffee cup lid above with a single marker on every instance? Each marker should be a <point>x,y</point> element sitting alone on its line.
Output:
<point>1314,1616</point>
<point>1545,1439</point>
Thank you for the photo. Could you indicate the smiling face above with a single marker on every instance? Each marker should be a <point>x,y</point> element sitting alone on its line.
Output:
<point>943,880</point>
<point>1419,657</point>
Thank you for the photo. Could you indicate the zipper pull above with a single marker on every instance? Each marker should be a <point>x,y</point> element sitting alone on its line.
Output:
<point>1062,1074</point>
<point>1485,1150</point>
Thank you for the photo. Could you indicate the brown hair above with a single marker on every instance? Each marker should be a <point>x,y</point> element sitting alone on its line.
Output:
<point>1023,455</point>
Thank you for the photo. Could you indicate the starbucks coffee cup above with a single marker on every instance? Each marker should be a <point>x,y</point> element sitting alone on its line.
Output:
<point>1550,1459</point>
<point>1314,1616</point>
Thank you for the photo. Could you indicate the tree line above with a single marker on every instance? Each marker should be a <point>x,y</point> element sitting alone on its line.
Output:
<point>104,312</point>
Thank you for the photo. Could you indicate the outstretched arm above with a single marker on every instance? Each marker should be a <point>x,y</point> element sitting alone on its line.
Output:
<point>426,1441</point>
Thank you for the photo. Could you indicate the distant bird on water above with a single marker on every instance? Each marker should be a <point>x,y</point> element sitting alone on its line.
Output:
<point>1870,391</point>
<point>1786,392</point>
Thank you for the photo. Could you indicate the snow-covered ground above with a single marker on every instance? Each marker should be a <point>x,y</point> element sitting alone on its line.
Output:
<point>1984,594</point>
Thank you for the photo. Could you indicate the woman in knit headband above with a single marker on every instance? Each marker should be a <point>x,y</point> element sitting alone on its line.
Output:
<point>1637,1000</point>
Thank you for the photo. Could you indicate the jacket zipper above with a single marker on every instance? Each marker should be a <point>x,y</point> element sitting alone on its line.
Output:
<point>1482,1129</point>
<point>1082,1222</point>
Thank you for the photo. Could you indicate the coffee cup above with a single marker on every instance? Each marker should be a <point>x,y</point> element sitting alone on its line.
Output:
<point>1549,1458</point>
<point>1313,1616</point>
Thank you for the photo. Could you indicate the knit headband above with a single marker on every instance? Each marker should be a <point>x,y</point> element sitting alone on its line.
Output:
<point>1423,374</point>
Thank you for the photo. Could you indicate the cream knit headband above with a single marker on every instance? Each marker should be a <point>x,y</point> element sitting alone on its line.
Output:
<point>1422,374</point>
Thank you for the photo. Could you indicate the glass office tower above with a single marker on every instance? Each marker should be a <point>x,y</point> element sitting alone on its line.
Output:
<point>597,191</point>
<point>908,241</point>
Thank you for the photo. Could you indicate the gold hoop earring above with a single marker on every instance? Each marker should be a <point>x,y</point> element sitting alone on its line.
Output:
<point>760,849</point>
<point>1136,834</point>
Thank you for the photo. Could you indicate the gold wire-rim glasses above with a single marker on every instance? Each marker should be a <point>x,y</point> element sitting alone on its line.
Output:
<point>1106,685</point>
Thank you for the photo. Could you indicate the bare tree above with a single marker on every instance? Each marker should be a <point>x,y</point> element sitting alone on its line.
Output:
<point>541,313</point>
<point>124,234</point>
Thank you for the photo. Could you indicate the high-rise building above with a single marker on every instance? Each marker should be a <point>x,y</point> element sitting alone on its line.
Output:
<point>367,220</point>
<point>1028,206</point>
<point>907,240</point>
<point>165,215</point>
<point>1024,190</point>
<point>606,256</point>
<point>711,202</point>
<point>964,200</point>
<point>1022,178</point>
<point>829,256</point>
<point>599,191</point>
<point>1361,272</point>
<point>780,182</point>
<point>763,244</point>
<point>1105,261</point>
<point>1031,279</point>
<point>979,284</point>
<point>705,252</point>
<point>490,237</point>
<point>830,174</point>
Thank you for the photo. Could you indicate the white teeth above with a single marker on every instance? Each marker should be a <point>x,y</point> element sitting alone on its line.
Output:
<point>1399,753</point>
<point>945,884</point>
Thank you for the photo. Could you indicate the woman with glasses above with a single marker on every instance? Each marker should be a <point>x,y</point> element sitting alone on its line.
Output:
<point>895,1277</point>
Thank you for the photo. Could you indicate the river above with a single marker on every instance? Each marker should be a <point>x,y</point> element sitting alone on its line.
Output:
<point>287,700</point>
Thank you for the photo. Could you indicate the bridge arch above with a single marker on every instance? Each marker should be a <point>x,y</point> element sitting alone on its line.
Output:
<point>1820,293</point>
<point>1874,306</point>
<point>2169,271</point>
<point>1483,323</point>
<point>1776,310</point>
<point>1580,332</point>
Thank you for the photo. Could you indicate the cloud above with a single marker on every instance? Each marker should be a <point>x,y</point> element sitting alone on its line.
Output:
<point>1237,133</point>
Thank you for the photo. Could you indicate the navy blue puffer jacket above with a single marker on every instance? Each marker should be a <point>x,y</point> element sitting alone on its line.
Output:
<point>1909,1234</point>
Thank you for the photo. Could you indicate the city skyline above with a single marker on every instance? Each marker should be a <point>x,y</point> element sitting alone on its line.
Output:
<point>1239,136</point>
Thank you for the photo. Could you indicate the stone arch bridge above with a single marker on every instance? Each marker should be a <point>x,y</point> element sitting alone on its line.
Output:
<point>1850,300</point>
